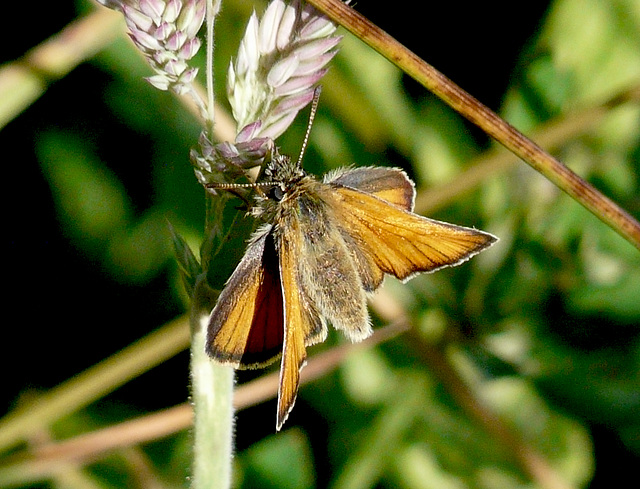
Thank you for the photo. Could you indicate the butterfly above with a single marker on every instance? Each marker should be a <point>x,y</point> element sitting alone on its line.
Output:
<point>325,245</point>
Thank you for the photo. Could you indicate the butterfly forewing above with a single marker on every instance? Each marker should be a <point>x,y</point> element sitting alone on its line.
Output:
<point>302,324</point>
<point>246,326</point>
<point>402,243</point>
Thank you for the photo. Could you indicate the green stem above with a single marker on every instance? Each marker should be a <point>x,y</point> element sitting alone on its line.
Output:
<point>211,383</point>
<point>212,397</point>
<point>213,8</point>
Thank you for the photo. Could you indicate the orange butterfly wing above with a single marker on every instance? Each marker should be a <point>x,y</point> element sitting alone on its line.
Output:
<point>303,325</point>
<point>389,184</point>
<point>246,325</point>
<point>400,242</point>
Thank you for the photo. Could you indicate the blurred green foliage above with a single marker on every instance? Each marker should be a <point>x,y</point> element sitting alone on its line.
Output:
<point>544,327</point>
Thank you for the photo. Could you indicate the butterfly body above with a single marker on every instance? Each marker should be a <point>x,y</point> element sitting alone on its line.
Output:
<point>324,247</point>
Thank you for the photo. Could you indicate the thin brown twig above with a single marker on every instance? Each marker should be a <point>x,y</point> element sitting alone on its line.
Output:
<point>44,459</point>
<point>600,205</point>
<point>549,135</point>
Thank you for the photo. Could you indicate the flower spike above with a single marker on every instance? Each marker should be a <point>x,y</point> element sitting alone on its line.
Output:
<point>281,58</point>
<point>165,31</point>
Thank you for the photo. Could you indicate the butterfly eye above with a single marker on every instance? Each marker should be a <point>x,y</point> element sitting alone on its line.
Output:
<point>276,193</point>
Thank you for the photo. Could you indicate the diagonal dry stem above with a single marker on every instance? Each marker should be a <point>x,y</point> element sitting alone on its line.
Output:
<point>604,208</point>
<point>23,81</point>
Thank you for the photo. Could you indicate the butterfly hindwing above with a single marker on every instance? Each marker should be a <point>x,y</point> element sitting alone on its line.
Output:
<point>246,325</point>
<point>389,184</point>
<point>329,276</point>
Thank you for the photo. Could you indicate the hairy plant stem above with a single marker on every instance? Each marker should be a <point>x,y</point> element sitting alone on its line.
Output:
<point>211,383</point>
<point>212,398</point>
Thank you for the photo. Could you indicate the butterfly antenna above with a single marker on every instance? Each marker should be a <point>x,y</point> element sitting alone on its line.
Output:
<point>232,186</point>
<point>312,115</point>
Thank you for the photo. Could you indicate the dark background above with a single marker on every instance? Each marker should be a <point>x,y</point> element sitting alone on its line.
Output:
<point>67,313</point>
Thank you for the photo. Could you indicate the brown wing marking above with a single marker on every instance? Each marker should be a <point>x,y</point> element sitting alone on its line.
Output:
<point>246,325</point>
<point>390,184</point>
<point>402,243</point>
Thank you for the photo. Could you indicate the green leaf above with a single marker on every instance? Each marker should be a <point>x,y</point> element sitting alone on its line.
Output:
<point>188,264</point>
<point>90,200</point>
<point>282,461</point>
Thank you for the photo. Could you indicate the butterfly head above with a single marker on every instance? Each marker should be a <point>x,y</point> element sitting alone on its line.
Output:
<point>282,172</point>
<point>279,180</point>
